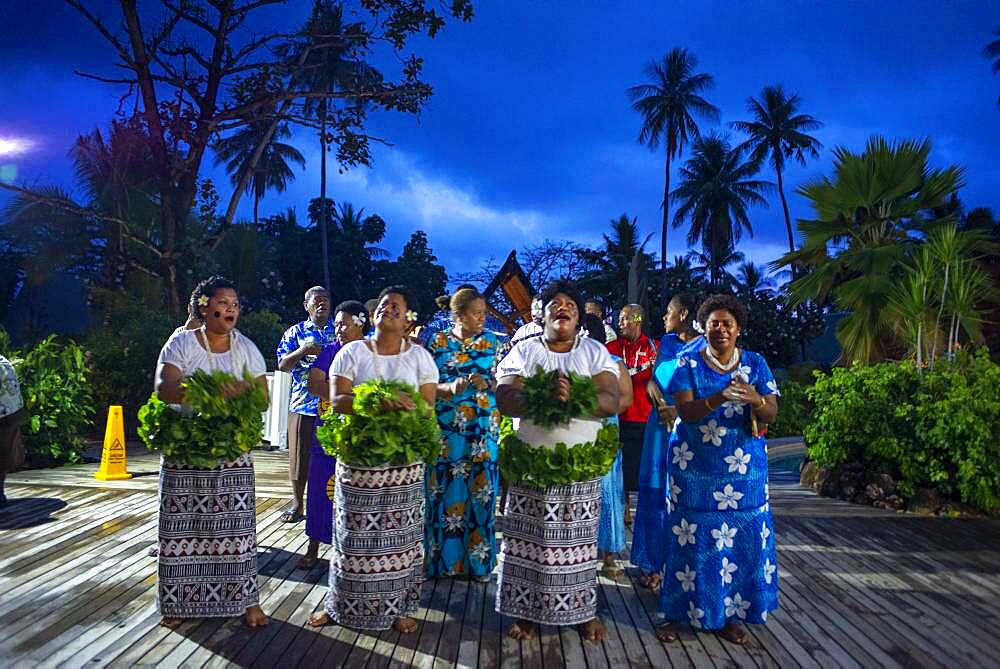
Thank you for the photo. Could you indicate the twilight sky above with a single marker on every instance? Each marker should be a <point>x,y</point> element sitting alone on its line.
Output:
<point>530,135</point>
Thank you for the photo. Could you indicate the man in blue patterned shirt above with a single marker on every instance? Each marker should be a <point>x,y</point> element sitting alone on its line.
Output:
<point>299,347</point>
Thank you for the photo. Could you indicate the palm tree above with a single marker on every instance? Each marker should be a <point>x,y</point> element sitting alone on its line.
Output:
<point>613,262</point>
<point>329,69</point>
<point>868,217</point>
<point>777,132</point>
<point>668,104</point>
<point>272,171</point>
<point>716,188</point>
<point>354,253</point>
<point>992,51</point>
<point>710,265</point>
<point>753,279</point>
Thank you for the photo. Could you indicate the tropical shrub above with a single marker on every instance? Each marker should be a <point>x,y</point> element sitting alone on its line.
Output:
<point>794,410</point>
<point>264,328</point>
<point>56,391</point>
<point>121,356</point>
<point>935,429</point>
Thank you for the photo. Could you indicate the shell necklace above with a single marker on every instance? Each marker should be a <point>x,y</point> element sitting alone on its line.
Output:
<point>404,346</point>
<point>733,360</point>
<point>212,365</point>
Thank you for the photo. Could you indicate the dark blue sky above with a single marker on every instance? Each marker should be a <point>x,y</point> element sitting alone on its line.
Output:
<point>530,135</point>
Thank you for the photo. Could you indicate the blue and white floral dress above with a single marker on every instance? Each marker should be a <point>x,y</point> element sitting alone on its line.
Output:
<point>719,556</point>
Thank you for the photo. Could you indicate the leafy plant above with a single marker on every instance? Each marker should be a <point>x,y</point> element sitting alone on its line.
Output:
<point>373,437</point>
<point>936,429</point>
<point>210,428</point>
<point>545,411</point>
<point>56,391</point>
<point>794,411</point>
<point>562,465</point>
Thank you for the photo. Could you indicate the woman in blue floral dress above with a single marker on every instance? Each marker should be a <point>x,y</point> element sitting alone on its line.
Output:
<point>462,486</point>
<point>720,562</point>
<point>648,539</point>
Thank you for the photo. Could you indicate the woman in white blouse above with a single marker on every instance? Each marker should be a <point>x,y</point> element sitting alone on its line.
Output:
<point>377,564</point>
<point>207,557</point>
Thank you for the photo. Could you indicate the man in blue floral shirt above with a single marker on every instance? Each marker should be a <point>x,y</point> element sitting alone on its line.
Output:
<point>299,347</point>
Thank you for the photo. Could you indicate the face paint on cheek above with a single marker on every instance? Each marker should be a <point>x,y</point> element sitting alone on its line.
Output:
<point>218,314</point>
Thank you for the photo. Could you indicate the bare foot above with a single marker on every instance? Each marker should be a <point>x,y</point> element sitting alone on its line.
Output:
<point>319,619</point>
<point>171,623</point>
<point>651,581</point>
<point>255,617</point>
<point>610,570</point>
<point>734,633</point>
<point>522,630</point>
<point>594,630</point>
<point>668,632</point>
<point>405,625</point>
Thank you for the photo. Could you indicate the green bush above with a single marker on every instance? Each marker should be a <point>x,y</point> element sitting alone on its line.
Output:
<point>263,328</point>
<point>121,355</point>
<point>56,391</point>
<point>933,429</point>
<point>794,410</point>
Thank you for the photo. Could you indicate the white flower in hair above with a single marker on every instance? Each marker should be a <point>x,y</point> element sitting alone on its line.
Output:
<point>203,301</point>
<point>359,319</point>
<point>584,332</point>
<point>697,327</point>
<point>537,310</point>
<point>411,316</point>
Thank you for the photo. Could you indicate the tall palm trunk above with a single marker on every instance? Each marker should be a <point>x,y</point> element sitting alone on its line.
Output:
<point>322,198</point>
<point>788,218</point>
<point>256,209</point>
<point>663,234</point>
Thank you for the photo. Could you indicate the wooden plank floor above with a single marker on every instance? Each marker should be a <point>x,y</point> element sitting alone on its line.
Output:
<point>859,588</point>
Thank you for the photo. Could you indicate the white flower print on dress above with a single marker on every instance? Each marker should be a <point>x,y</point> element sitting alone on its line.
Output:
<point>764,534</point>
<point>769,570</point>
<point>773,387</point>
<point>682,456</point>
<point>724,536</point>
<point>695,615</point>
<point>738,461</point>
<point>685,532</point>
<point>686,578</point>
<point>461,469</point>
<point>459,421</point>
<point>675,490</point>
<point>713,432</point>
<point>453,523</point>
<point>484,496</point>
<point>727,497</point>
<point>732,408</point>
<point>736,606</point>
<point>727,570</point>
<point>742,373</point>
<point>479,448</point>
<point>687,361</point>
<point>480,551</point>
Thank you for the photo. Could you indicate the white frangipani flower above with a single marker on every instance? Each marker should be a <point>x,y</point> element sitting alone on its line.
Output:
<point>736,606</point>
<point>727,570</point>
<point>712,432</point>
<point>682,456</point>
<point>769,570</point>
<point>686,578</point>
<point>727,497</point>
<point>695,615</point>
<point>738,461</point>
<point>764,534</point>
<point>685,532</point>
<point>724,536</point>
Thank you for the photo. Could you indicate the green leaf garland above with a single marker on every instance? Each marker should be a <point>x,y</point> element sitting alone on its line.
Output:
<point>216,428</point>
<point>524,464</point>
<point>373,437</point>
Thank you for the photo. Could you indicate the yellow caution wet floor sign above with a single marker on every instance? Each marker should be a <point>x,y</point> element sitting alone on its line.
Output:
<point>113,456</point>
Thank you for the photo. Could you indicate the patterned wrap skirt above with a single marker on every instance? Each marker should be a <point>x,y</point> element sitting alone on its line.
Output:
<point>207,559</point>
<point>548,556</point>
<point>377,563</point>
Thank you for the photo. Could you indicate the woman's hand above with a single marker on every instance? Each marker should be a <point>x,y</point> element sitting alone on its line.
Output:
<point>744,393</point>
<point>235,389</point>
<point>402,402</point>
<point>560,391</point>
<point>666,413</point>
<point>478,382</point>
<point>459,385</point>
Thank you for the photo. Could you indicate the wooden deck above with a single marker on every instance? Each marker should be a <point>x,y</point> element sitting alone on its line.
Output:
<point>859,587</point>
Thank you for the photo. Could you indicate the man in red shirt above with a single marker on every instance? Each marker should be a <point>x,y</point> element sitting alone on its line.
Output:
<point>639,354</point>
